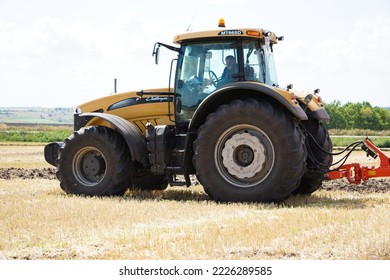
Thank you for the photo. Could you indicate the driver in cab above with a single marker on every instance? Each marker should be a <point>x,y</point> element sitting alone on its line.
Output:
<point>230,70</point>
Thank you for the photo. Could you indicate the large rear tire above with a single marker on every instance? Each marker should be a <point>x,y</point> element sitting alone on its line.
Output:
<point>317,161</point>
<point>94,161</point>
<point>249,151</point>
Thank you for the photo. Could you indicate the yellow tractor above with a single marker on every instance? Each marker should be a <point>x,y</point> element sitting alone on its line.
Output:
<point>224,119</point>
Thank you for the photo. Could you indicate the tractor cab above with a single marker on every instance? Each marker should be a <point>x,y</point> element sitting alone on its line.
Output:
<point>211,60</point>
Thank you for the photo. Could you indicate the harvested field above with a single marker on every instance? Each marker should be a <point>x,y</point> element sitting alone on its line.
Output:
<point>39,221</point>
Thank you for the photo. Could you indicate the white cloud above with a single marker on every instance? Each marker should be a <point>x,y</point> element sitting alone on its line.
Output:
<point>73,55</point>
<point>347,67</point>
<point>76,61</point>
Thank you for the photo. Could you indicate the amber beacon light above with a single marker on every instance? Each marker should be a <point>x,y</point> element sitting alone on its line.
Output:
<point>221,22</point>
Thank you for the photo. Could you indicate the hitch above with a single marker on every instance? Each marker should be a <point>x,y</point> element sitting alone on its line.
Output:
<point>355,173</point>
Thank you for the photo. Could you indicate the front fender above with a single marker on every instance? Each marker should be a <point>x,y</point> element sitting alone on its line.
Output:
<point>133,137</point>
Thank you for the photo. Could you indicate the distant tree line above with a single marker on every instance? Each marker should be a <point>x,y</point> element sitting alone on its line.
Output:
<point>357,116</point>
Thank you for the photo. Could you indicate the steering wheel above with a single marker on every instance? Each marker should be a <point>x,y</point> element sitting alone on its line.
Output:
<point>214,78</point>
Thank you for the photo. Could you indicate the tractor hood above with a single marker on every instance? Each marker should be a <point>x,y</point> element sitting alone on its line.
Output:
<point>138,107</point>
<point>121,100</point>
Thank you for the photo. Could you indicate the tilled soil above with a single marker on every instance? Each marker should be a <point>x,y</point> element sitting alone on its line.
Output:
<point>369,186</point>
<point>21,173</point>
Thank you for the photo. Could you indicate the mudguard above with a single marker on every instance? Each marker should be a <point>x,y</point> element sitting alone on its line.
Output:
<point>242,89</point>
<point>320,114</point>
<point>133,137</point>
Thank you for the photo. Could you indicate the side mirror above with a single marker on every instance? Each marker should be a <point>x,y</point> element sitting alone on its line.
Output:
<point>156,51</point>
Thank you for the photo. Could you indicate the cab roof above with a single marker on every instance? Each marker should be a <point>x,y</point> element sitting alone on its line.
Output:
<point>227,32</point>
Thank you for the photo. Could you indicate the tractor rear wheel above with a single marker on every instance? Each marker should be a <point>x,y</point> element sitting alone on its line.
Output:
<point>318,161</point>
<point>249,150</point>
<point>94,161</point>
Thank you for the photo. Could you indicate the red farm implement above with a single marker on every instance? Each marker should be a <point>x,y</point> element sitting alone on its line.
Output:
<point>355,173</point>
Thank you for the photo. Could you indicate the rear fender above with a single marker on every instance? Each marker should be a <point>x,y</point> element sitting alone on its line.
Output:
<point>318,113</point>
<point>241,90</point>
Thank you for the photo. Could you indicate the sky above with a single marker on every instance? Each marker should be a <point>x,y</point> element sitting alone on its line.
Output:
<point>63,53</point>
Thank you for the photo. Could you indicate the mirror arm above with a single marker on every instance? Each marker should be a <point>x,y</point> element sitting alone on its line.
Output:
<point>172,48</point>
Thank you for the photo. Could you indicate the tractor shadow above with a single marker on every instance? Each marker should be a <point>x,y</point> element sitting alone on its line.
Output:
<point>179,195</point>
<point>323,199</point>
<point>326,199</point>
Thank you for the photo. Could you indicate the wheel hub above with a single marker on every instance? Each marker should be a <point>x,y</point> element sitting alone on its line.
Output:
<point>93,165</point>
<point>89,166</point>
<point>243,155</point>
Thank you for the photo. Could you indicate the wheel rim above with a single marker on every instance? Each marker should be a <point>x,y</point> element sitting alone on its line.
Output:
<point>89,166</point>
<point>244,155</point>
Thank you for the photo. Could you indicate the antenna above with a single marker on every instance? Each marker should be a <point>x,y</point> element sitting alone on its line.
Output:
<point>192,20</point>
<point>115,82</point>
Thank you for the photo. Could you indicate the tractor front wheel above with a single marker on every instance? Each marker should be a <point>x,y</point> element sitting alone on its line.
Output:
<point>94,161</point>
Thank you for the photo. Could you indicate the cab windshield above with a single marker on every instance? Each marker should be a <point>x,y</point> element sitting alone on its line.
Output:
<point>205,67</point>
